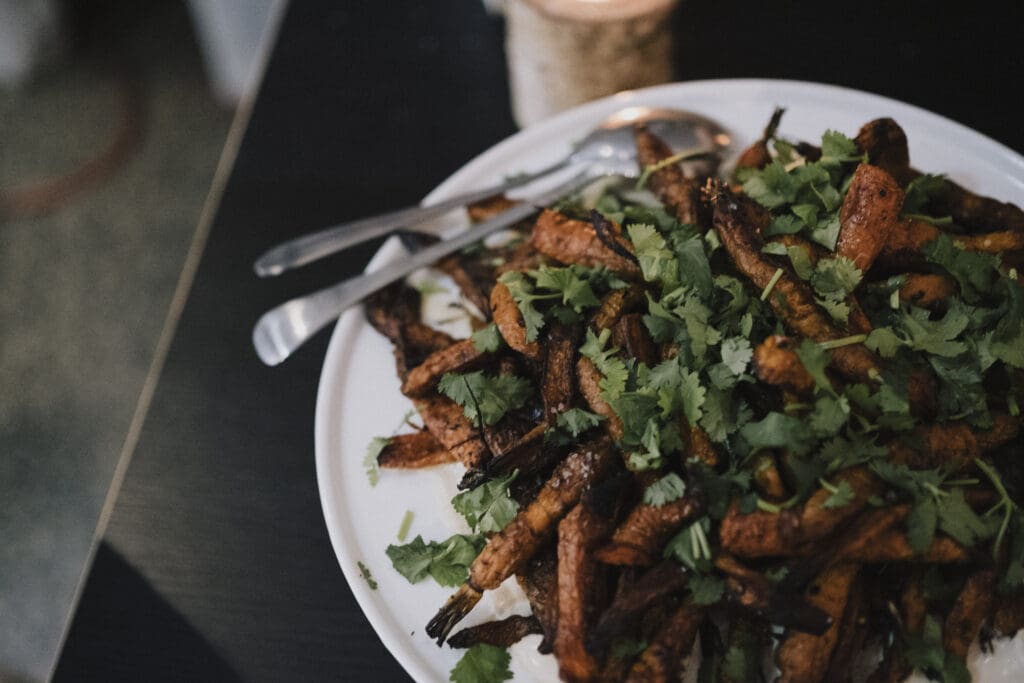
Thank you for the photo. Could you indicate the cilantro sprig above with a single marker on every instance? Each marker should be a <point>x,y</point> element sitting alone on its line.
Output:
<point>482,663</point>
<point>562,293</point>
<point>805,197</point>
<point>488,507</point>
<point>485,397</point>
<point>447,562</point>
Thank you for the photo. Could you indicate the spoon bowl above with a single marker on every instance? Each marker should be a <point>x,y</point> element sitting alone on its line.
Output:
<point>612,140</point>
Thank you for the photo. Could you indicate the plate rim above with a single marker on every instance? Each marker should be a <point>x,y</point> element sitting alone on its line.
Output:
<point>368,602</point>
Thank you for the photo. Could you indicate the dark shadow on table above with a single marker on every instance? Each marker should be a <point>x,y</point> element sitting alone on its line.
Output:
<point>153,641</point>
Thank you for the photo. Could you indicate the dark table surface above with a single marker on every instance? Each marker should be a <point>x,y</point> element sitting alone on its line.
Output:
<point>216,562</point>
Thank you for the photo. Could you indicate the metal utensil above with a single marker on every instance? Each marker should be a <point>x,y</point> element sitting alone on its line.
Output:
<point>280,331</point>
<point>612,141</point>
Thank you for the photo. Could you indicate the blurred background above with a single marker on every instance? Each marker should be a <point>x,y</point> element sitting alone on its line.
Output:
<point>113,115</point>
<point>117,124</point>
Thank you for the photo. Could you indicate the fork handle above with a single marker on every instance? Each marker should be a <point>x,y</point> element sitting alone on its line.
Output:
<point>309,248</point>
<point>280,331</point>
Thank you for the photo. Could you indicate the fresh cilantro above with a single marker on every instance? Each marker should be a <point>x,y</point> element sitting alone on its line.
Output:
<point>694,267</point>
<point>724,413</point>
<point>806,197</point>
<point>837,148</point>
<point>975,272</point>
<point>925,653</point>
<point>706,589</point>
<point>364,572</point>
<point>565,292</point>
<point>842,495</point>
<point>690,546</point>
<point>488,339</point>
<point>657,262</point>
<point>798,258</point>
<point>778,430</point>
<point>575,421</point>
<point>377,445</point>
<point>784,224</point>
<point>815,360</point>
<point>962,393</point>
<point>842,452</point>
<point>829,415</point>
<point>920,190</point>
<point>482,663</point>
<point>485,397</point>
<point>773,186</point>
<point>657,439</point>
<point>938,337</point>
<point>403,528</point>
<point>447,562</point>
<point>488,507</point>
<point>606,361</point>
<point>736,354</point>
<point>883,341</point>
<point>959,521</point>
<point>835,277</point>
<point>522,292</point>
<point>665,490</point>
<point>718,488</point>
<point>935,507</point>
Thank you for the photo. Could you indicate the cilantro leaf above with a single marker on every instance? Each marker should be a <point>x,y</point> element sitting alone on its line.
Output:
<point>693,265</point>
<point>706,590</point>
<point>883,341</point>
<point>575,421</point>
<point>920,191</point>
<point>667,489</point>
<point>835,277</point>
<point>488,507</point>
<point>446,561</point>
<point>925,652</point>
<point>830,414</point>
<point>778,430</point>
<point>772,186</point>
<point>937,337</point>
<point>565,291</point>
<point>690,546</point>
<point>488,339</point>
<point>958,520</point>
<point>837,147</point>
<point>657,262</point>
<point>842,495</point>
<point>482,663</point>
<point>492,396</point>
<point>975,272</point>
<point>723,414</point>
<point>522,292</point>
<point>614,369</point>
<point>815,359</point>
<point>736,354</point>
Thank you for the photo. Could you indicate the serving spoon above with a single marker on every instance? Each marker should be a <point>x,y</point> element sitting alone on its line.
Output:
<point>280,331</point>
<point>612,140</point>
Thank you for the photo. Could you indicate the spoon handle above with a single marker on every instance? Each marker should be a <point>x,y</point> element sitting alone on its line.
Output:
<point>280,331</point>
<point>309,248</point>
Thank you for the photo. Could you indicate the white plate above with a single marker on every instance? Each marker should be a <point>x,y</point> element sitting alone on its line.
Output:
<point>359,394</point>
